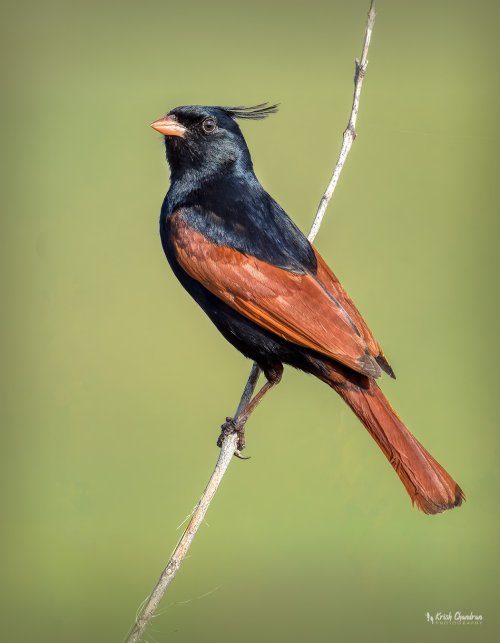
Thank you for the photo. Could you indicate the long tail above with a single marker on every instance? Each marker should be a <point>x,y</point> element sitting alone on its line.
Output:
<point>431,488</point>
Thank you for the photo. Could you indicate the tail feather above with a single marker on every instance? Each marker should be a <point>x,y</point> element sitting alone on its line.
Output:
<point>430,487</point>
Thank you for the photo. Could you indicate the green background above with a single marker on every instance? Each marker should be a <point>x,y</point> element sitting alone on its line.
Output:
<point>114,383</point>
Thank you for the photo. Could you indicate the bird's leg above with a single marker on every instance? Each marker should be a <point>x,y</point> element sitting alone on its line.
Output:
<point>237,424</point>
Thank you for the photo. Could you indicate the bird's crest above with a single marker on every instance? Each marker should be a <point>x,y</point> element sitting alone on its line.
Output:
<point>255,112</point>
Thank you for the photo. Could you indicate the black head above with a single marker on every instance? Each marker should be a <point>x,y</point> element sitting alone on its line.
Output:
<point>207,141</point>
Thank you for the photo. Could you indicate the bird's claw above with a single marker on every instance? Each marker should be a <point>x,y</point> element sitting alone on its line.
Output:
<point>237,454</point>
<point>227,428</point>
<point>234,425</point>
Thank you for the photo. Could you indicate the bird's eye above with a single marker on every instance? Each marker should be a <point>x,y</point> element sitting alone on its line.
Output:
<point>209,125</point>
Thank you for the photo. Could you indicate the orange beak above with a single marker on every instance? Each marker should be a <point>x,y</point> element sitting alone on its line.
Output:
<point>169,126</point>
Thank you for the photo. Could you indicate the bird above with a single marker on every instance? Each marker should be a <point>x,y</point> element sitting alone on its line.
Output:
<point>269,291</point>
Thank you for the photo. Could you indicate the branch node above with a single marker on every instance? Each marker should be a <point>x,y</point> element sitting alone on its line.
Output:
<point>351,130</point>
<point>360,71</point>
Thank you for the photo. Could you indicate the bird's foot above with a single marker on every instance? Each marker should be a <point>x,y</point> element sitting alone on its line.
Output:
<point>234,425</point>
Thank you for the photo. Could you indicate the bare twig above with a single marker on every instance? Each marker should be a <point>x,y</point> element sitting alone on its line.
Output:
<point>229,443</point>
<point>226,453</point>
<point>350,131</point>
<point>167,575</point>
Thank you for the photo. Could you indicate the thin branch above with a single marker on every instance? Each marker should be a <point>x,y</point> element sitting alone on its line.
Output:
<point>168,574</point>
<point>225,456</point>
<point>229,443</point>
<point>350,131</point>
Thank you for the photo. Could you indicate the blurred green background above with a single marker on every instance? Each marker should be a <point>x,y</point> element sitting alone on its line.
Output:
<point>114,383</point>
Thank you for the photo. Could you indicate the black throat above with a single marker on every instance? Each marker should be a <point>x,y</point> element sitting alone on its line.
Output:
<point>192,177</point>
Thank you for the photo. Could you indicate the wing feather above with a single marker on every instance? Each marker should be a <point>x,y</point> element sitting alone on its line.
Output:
<point>308,310</point>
